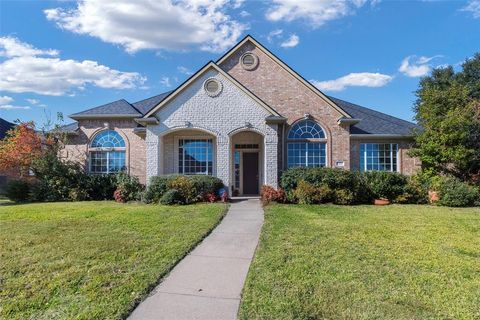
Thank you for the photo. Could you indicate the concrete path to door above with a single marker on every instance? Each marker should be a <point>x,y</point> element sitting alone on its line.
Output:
<point>207,283</point>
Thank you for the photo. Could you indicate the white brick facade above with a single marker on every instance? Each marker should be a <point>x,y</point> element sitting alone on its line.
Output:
<point>222,116</point>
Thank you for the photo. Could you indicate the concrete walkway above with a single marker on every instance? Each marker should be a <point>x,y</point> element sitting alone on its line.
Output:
<point>207,283</point>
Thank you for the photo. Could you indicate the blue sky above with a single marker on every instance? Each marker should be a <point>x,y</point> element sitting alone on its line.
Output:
<point>66,56</point>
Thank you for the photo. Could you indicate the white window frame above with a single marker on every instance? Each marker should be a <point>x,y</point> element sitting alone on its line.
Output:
<point>200,137</point>
<point>305,141</point>
<point>397,158</point>
<point>107,151</point>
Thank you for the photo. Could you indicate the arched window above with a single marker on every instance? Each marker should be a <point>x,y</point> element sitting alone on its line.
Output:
<point>107,152</point>
<point>306,145</point>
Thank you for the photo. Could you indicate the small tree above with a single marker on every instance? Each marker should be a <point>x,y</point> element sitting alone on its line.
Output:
<point>448,109</point>
<point>20,148</point>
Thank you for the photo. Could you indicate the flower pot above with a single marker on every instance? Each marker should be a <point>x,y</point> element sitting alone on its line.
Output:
<point>432,196</point>
<point>381,202</point>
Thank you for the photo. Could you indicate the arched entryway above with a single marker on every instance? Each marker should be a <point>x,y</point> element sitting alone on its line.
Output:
<point>247,169</point>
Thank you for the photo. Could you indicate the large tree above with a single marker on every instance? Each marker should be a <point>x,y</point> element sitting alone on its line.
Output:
<point>448,109</point>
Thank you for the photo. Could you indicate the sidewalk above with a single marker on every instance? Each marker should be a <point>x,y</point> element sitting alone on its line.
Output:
<point>207,283</point>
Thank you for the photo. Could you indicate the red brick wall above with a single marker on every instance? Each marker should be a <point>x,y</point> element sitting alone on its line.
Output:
<point>291,98</point>
<point>77,147</point>
<point>408,165</point>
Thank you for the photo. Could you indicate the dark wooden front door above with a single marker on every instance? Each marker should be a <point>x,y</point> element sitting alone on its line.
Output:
<point>250,173</point>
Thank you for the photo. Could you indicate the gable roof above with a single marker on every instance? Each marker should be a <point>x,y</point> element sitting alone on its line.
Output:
<point>120,108</point>
<point>4,127</point>
<point>375,122</point>
<point>306,83</point>
<point>145,105</point>
<point>208,66</point>
<point>69,128</point>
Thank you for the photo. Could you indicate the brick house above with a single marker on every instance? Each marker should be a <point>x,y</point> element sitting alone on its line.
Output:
<point>245,119</point>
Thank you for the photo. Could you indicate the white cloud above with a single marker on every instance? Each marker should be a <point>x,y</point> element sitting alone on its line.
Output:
<point>419,67</point>
<point>473,6</point>
<point>32,101</point>
<point>244,14</point>
<point>146,24</point>
<point>315,12</point>
<point>274,34</point>
<point>362,79</point>
<point>12,47</point>
<point>237,3</point>
<point>291,42</point>
<point>26,70</point>
<point>184,70</point>
<point>5,99</point>
<point>10,107</point>
<point>165,81</point>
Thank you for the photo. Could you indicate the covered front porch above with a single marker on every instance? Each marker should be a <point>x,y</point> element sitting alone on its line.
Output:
<point>238,158</point>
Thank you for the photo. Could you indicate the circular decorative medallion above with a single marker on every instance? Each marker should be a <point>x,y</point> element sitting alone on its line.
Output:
<point>249,61</point>
<point>212,87</point>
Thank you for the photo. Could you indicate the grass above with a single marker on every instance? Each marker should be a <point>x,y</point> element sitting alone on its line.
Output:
<point>91,260</point>
<point>365,262</point>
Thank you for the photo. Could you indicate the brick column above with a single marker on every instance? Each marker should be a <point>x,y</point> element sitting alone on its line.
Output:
<point>223,160</point>
<point>271,160</point>
<point>154,155</point>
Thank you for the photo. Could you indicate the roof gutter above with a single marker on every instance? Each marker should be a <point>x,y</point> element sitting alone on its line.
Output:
<point>380,136</point>
<point>103,116</point>
<point>145,121</point>
<point>349,121</point>
<point>275,119</point>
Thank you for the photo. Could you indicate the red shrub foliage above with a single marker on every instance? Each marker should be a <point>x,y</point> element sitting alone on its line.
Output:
<point>120,195</point>
<point>270,194</point>
<point>209,197</point>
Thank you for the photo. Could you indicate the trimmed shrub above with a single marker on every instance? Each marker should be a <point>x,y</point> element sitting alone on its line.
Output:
<point>414,192</point>
<point>157,187</point>
<point>454,193</point>
<point>209,197</point>
<point>185,187</point>
<point>269,194</point>
<point>18,190</point>
<point>172,196</point>
<point>78,194</point>
<point>100,186</point>
<point>343,197</point>
<point>388,185</point>
<point>128,188</point>
<point>206,184</point>
<point>307,193</point>
<point>334,179</point>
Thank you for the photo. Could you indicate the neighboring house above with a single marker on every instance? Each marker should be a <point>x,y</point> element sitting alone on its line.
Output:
<point>244,118</point>
<point>4,127</point>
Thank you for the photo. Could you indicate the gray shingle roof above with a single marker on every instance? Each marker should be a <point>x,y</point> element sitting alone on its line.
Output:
<point>4,127</point>
<point>375,122</point>
<point>69,128</point>
<point>113,108</point>
<point>144,106</point>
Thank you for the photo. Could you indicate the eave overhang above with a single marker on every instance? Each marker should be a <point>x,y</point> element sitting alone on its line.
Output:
<point>349,121</point>
<point>104,116</point>
<point>380,136</point>
<point>275,119</point>
<point>146,121</point>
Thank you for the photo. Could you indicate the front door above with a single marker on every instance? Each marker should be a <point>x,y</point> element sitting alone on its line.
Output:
<point>250,173</point>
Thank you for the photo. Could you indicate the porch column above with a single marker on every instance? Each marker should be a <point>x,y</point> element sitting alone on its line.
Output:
<point>154,155</point>
<point>223,160</point>
<point>271,160</point>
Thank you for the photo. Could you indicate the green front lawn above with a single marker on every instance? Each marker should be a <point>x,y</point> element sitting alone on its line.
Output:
<point>91,260</point>
<point>365,262</point>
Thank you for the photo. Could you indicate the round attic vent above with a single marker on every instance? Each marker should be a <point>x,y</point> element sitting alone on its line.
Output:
<point>249,61</point>
<point>212,87</point>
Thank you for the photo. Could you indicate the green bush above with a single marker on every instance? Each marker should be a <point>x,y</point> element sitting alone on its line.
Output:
<point>334,179</point>
<point>156,188</point>
<point>343,197</point>
<point>18,190</point>
<point>100,186</point>
<point>206,184</point>
<point>388,185</point>
<point>129,187</point>
<point>185,186</point>
<point>307,193</point>
<point>414,192</point>
<point>455,193</point>
<point>172,196</point>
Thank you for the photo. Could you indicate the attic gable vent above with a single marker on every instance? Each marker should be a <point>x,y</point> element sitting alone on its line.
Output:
<point>212,87</point>
<point>249,61</point>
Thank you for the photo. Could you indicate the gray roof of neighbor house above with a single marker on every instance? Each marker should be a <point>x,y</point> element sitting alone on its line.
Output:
<point>375,122</point>
<point>119,107</point>
<point>371,121</point>
<point>4,127</point>
<point>69,128</point>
